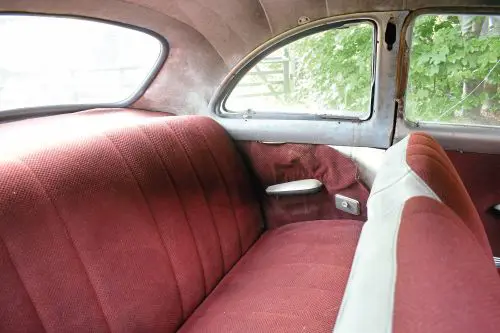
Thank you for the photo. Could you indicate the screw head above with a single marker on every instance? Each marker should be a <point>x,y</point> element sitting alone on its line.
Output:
<point>303,20</point>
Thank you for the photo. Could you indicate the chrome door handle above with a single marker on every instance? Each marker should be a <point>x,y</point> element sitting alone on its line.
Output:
<point>298,187</point>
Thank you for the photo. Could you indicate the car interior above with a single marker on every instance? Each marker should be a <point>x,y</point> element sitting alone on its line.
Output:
<point>250,166</point>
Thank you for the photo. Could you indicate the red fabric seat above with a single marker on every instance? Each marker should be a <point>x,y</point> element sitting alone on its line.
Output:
<point>129,221</point>
<point>291,280</point>
<point>444,258</point>
<point>423,263</point>
<point>125,221</point>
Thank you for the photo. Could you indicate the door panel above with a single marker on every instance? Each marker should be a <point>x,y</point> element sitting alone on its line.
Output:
<point>280,163</point>
<point>481,175</point>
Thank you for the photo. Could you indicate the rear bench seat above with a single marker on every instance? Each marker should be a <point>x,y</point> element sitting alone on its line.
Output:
<point>130,221</point>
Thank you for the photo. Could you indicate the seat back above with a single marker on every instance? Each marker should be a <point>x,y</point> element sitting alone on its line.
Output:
<point>117,221</point>
<point>423,263</point>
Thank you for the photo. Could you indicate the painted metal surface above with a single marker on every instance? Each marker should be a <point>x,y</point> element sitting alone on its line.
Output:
<point>206,43</point>
<point>373,132</point>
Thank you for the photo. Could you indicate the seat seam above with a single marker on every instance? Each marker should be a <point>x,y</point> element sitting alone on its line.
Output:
<point>22,283</point>
<point>169,176</point>
<point>383,189</point>
<point>200,184</point>
<point>141,190</point>
<point>299,288</point>
<point>225,313</point>
<point>454,180</point>
<point>226,187</point>
<point>241,270</point>
<point>431,158</point>
<point>438,159</point>
<point>273,313</point>
<point>458,183</point>
<point>70,237</point>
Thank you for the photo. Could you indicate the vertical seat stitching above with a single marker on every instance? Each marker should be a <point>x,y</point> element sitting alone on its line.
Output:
<point>70,238</point>
<point>22,282</point>
<point>157,227</point>
<point>144,133</point>
<point>226,187</point>
<point>200,184</point>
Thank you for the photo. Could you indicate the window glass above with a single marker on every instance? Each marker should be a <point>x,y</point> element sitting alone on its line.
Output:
<point>329,72</point>
<point>59,61</point>
<point>454,72</point>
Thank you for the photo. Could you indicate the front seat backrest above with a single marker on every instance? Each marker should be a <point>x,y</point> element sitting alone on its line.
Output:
<point>423,263</point>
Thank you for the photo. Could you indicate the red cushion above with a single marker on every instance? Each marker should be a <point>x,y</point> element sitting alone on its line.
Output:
<point>117,221</point>
<point>445,281</point>
<point>423,263</point>
<point>291,280</point>
<point>429,161</point>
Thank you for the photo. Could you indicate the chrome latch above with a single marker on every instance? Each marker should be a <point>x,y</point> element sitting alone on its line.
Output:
<point>348,205</point>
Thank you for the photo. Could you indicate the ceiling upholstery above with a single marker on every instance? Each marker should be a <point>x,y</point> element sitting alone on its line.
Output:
<point>207,37</point>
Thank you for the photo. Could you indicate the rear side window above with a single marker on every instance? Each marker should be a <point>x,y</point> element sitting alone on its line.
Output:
<point>454,75</point>
<point>325,73</point>
<point>48,61</point>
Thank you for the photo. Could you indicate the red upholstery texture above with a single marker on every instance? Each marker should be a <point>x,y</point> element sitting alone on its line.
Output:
<point>445,281</point>
<point>291,280</point>
<point>275,164</point>
<point>480,174</point>
<point>117,221</point>
<point>429,161</point>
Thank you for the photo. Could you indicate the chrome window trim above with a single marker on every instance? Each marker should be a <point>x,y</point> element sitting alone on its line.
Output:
<point>377,131</point>
<point>45,110</point>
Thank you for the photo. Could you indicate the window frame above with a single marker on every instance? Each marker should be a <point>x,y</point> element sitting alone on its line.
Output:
<point>460,137</point>
<point>68,108</point>
<point>256,57</point>
<point>377,131</point>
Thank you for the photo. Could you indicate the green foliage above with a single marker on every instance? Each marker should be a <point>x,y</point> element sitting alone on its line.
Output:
<point>333,69</point>
<point>454,69</point>
<point>454,72</point>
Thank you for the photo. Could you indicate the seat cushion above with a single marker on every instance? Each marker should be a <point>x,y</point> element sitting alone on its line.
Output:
<point>445,281</point>
<point>291,280</point>
<point>117,220</point>
<point>429,161</point>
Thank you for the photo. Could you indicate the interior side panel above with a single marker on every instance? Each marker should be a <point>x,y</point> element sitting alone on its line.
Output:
<point>280,163</point>
<point>481,175</point>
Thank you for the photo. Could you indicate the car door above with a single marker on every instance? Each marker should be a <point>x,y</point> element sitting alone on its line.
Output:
<point>324,83</point>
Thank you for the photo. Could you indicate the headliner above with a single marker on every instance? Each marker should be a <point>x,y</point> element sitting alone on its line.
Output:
<point>207,37</point>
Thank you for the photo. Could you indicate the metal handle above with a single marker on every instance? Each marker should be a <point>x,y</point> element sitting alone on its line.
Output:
<point>299,187</point>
